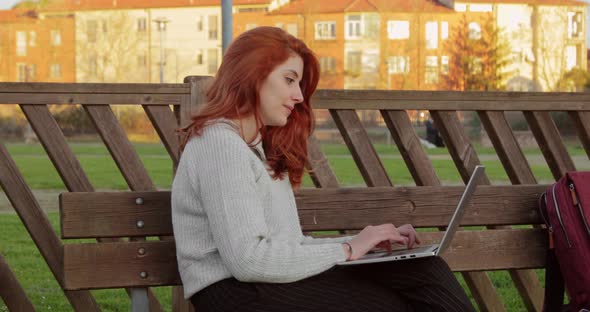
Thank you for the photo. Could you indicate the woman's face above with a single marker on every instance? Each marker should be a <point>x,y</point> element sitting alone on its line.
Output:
<point>280,92</point>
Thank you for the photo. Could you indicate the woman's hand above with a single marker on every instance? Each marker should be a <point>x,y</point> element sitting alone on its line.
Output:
<point>382,236</point>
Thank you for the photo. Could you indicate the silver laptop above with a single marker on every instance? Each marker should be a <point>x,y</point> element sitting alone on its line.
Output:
<point>431,250</point>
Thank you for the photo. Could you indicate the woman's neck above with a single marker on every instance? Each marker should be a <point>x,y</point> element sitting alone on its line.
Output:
<point>248,127</point>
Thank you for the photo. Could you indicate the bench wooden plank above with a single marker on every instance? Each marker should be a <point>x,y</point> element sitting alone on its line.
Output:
<point>581,121</point>
<point>114,265</point>
<point>22,199</point>
<point>11,292</point>
<point>466,159</point>
<point>109,88</point>
<point>126,159</point>
<point>359,144</point>
<point>320,172</point>
<point>519,171</point>
<point>550,142</point>
<point>410,148</point>
<point>450,100</point>
<point>115,214</point>
<point>165,124</point>
<point>120,148</point>
<point>90,98</point>
<point>60,153</point>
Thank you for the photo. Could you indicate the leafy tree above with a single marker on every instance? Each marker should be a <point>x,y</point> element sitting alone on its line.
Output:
<point>477,57</point>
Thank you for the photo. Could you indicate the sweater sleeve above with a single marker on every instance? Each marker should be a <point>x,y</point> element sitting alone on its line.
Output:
<point>225,181</point>
<point>308,240</point>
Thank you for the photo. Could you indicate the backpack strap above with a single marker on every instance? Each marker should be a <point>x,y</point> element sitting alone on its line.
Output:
<point>554,284</point>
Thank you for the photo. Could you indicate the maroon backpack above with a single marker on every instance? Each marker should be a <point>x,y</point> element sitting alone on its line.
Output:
<point>565,208</point>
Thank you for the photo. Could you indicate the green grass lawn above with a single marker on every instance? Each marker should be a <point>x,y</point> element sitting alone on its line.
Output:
<point>24,259</point>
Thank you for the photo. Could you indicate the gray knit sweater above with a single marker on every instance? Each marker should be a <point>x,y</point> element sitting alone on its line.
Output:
<point>231,219</point>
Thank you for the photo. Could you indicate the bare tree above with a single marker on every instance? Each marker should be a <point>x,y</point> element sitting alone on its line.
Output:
<point>111,46</point>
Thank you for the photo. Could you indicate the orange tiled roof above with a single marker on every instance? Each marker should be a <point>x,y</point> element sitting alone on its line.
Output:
<point>331,6</point>
<point>81,5</point>
<point>15,15</point>
<point>538,2</point>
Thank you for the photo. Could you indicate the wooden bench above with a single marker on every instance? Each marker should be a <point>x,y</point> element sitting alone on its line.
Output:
<point>145,212</point>
<point>150,263</point>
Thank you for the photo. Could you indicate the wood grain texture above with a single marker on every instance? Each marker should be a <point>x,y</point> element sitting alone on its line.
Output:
<point>22,199</point>
<point>319,168</point>
<point>56,146</point>
<point>550,142</point>
<point>359,144</point>
<point>581,121</point>
<point>519,172</point>
<point>120,148</point>
<point>408,143</point>
<point>11,292</point>
<point>115,214</point>
<point>100,88</point>
<point>114,265</point>
<point>465,159</point>
<point>165,124</point>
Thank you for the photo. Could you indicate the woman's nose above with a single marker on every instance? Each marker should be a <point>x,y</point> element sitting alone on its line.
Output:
<point>297,95</point>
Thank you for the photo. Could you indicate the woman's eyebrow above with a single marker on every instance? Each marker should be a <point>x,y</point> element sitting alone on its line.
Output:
<point>293,71</point>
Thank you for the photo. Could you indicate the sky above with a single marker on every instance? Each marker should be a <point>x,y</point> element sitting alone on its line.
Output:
<point>7,4</point>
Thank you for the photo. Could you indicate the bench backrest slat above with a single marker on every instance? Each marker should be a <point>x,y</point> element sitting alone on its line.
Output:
<point>116,214</point>
<point>120,264</point>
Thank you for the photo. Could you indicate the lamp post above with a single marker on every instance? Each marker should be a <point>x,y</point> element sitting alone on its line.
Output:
<point>161,26</point>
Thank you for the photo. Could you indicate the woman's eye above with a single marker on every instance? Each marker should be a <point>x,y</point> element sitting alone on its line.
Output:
<point>289,80</point>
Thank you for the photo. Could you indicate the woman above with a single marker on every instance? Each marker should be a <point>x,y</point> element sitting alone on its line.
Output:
<point>238,238</point>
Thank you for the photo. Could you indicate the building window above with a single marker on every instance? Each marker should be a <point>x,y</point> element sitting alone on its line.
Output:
<point>431,35</point>
<point>431,71</point>
<point>250,26</point>
<point>444,30</point>
<point>574,24</point>
<point>91,27</point>
<point>444,64</point>
<point>474,31</point>
<point>480,7</point>
<point>353,62</point>
<point>92,64</point>
<point>327,64</point>
<point>199,23</point>
<point>32,38</point>
<point>21,72</point>
<point>199,57</point>
<point>55,71</point>
<point>142,24</point>
<point>104,26</point>
<point>398,29</point>
<point>21,43</point>
<point>142,60</point>
<point>292,29</point>
<point>325,30</point>
<point>279,25</point>
<point>460,7</point>
<point>31,72</point>
<point>571,57</point>
<point>212,60</point>
<point>212,27</point>
<point>354,27</point>
<point>398,65</point>
<point>55,38</point>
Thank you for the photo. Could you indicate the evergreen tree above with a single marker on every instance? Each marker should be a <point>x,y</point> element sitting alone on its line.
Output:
<point>477,57</point>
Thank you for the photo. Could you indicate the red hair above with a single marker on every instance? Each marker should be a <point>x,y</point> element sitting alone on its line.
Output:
<point>234,94</point>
